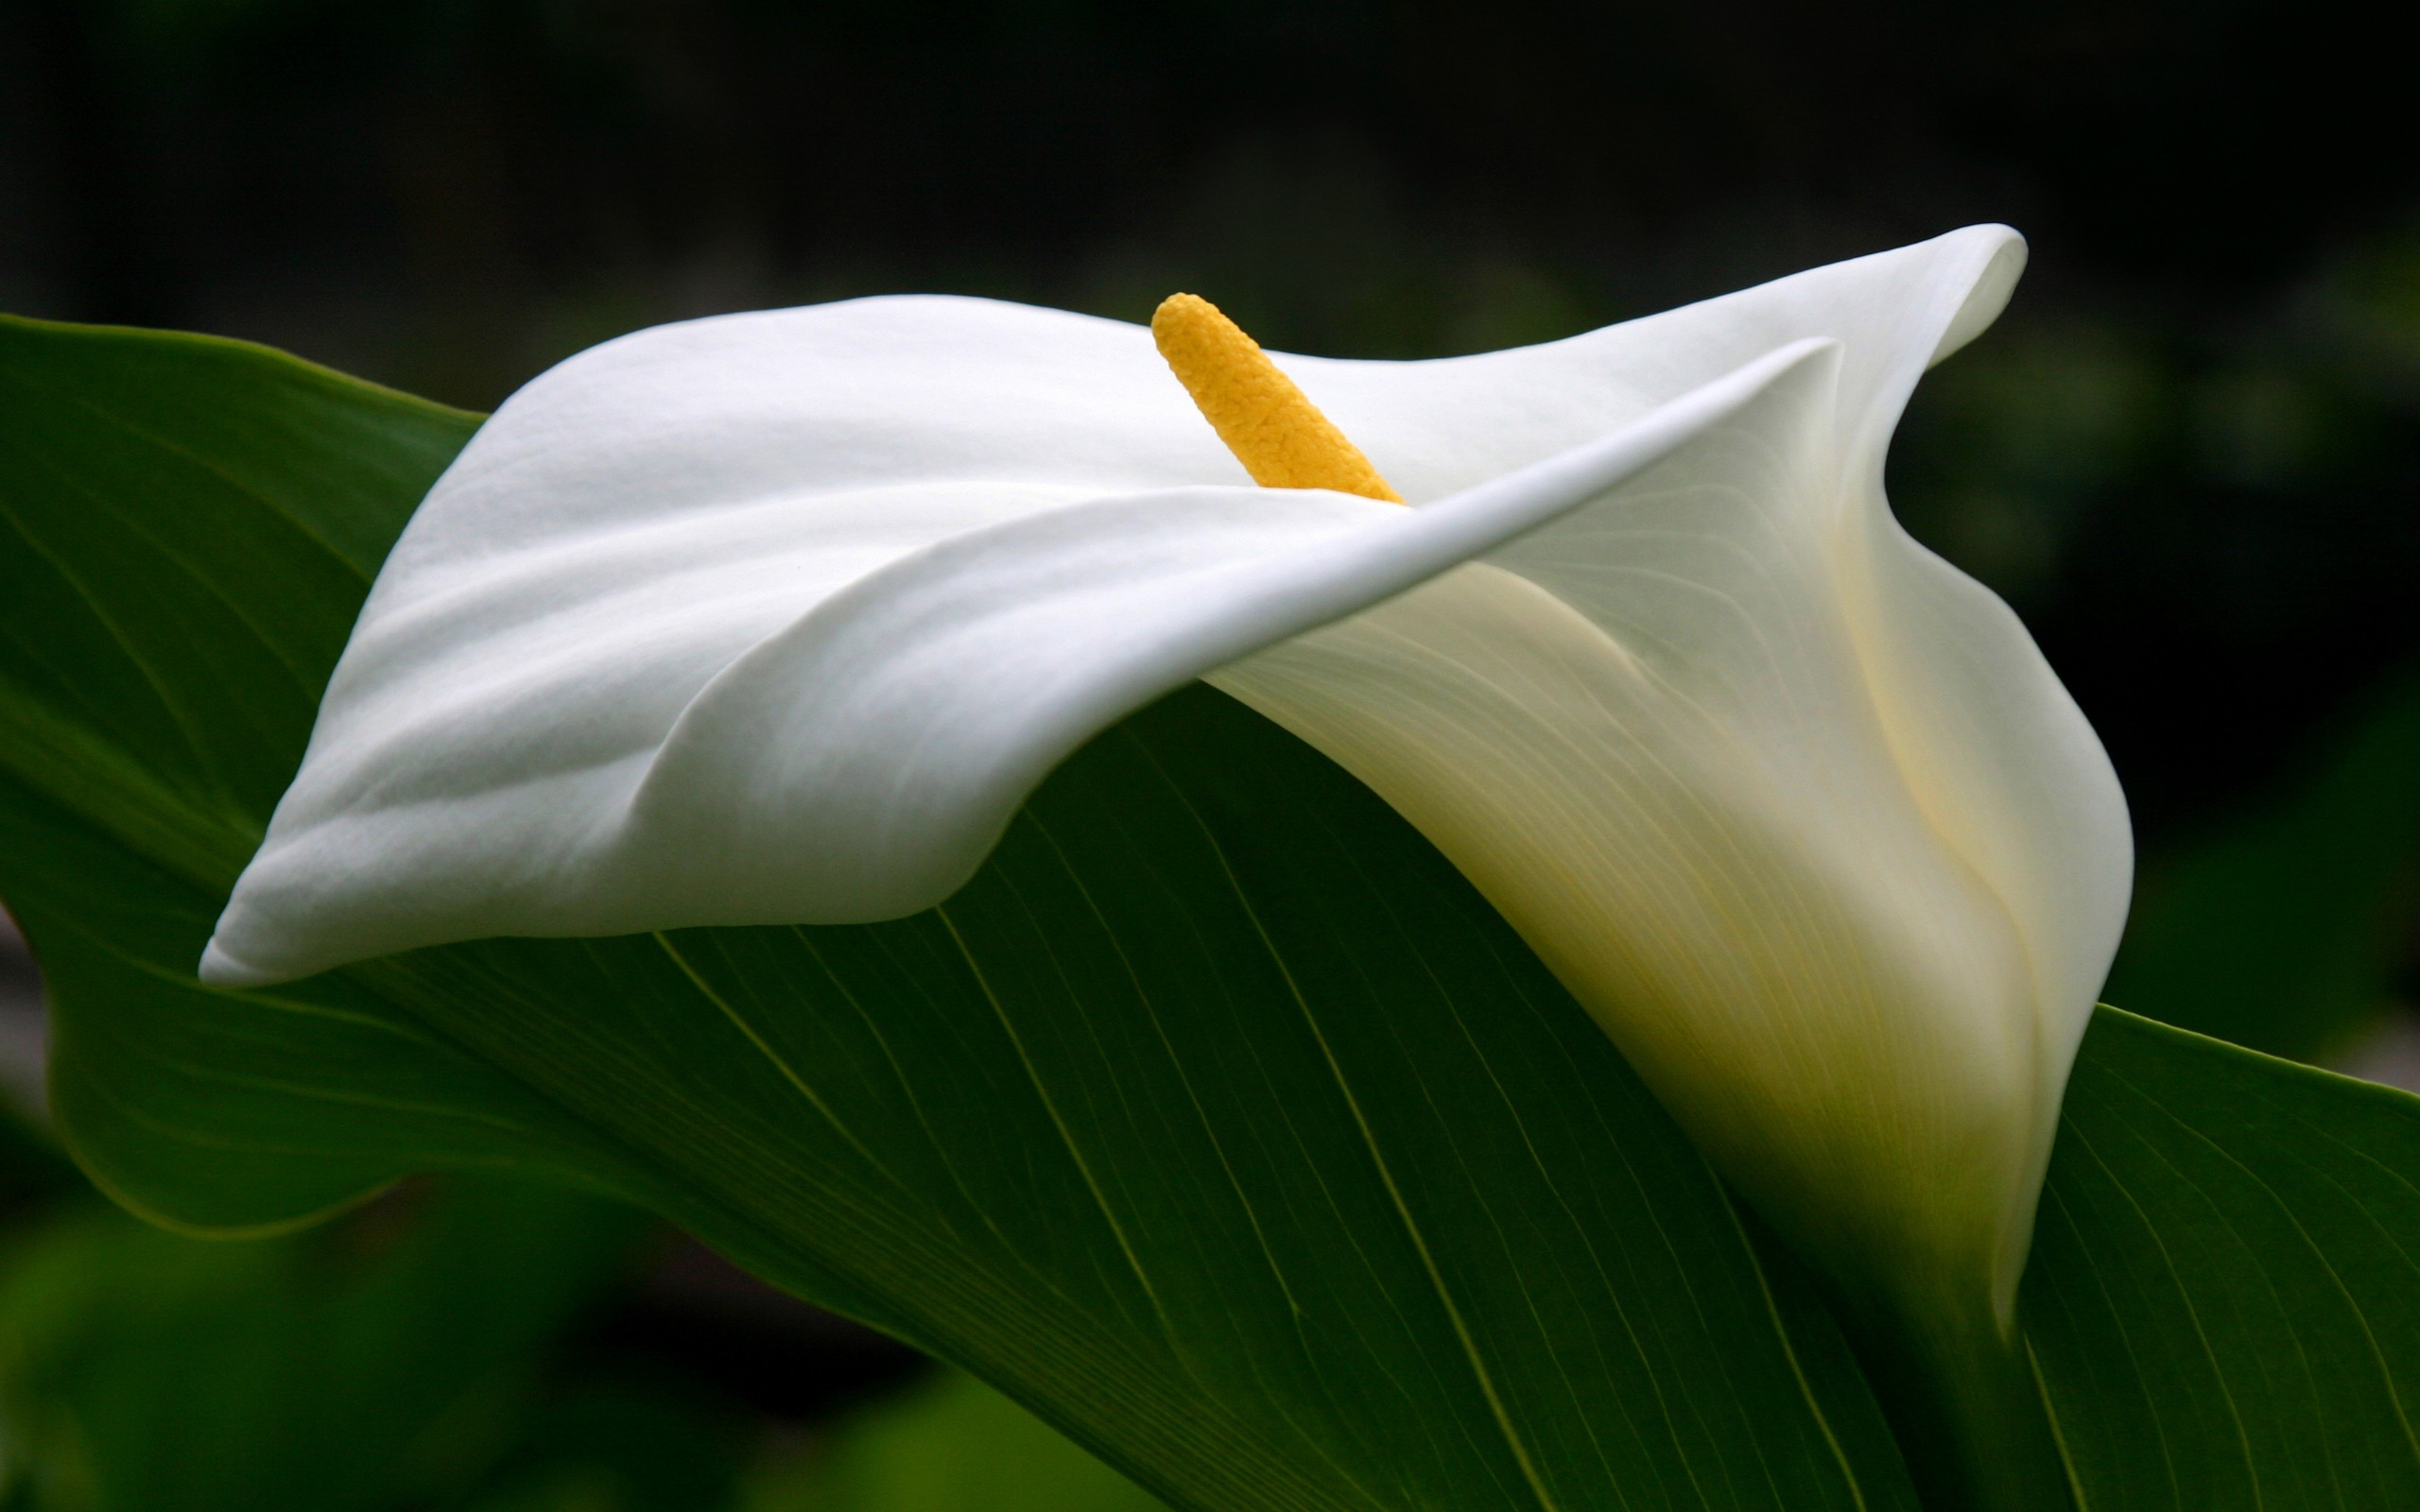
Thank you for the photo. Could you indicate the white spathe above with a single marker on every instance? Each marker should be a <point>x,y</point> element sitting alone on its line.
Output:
<point>778,617</point>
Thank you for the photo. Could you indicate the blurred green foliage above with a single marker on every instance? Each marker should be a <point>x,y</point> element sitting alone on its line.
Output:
<point>395,1359</point>
<point>953,1445</point>
<point>423,1354</point>
<point>2286,930</point>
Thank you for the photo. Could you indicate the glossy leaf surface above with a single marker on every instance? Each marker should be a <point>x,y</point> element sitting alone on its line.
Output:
<point>2225,1300</point>
<point>1218,1121</point>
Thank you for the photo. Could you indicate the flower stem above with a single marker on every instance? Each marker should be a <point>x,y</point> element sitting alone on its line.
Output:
<point>1968,1413</point>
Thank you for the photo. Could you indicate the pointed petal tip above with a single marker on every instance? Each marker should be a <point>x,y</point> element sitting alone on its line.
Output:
<point>1998,254</point>
<point>218,969</point>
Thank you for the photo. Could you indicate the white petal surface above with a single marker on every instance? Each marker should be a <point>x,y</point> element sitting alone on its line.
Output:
<point>579,703</point>
<point>1841,877</point>
<point>777,618</point>
<point>1795,808</point>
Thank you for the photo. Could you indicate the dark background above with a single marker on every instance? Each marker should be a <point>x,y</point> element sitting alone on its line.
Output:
<point>2187,454</point>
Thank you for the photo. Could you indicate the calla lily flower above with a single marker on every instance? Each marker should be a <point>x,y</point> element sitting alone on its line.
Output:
<point>778,617</point>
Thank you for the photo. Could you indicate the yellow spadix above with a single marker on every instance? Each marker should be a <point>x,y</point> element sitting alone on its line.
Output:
<point>1275,432</point>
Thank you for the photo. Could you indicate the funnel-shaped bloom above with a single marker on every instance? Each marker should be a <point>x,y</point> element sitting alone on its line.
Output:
<point>777,618</point>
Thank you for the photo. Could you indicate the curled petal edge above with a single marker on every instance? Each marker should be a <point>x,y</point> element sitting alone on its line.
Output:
<point>885,734</point>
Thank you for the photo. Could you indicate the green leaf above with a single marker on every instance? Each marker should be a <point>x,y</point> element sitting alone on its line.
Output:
<point>135,461</point>
<point>2224,1297</point>
<point>1219,1121</point>
<point>2283,932</point>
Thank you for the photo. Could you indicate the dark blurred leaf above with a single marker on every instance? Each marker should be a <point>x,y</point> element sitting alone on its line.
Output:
<point>620,1444</point>
<point>145,1371</point>
<point>32,1167</point>
<point>953,1445</point>
<point>2284,932</point>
